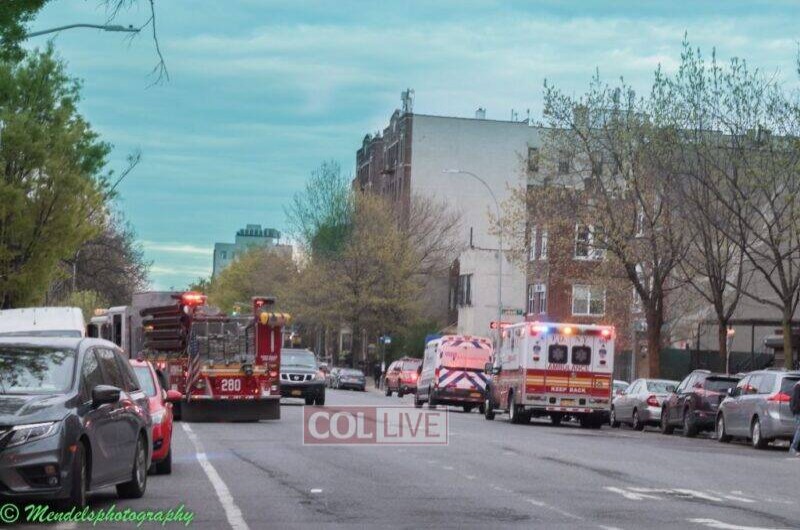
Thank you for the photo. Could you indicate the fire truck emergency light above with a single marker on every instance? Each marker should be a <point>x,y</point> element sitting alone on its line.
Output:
<point>193,298</point>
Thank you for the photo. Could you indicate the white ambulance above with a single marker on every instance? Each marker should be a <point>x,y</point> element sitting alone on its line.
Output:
<point>555,370</point>
<point>452,372</point>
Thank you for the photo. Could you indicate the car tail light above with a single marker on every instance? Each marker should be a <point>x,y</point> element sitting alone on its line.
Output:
<point>653,401</point>
<point>436,377</point>
<point>780,397</point>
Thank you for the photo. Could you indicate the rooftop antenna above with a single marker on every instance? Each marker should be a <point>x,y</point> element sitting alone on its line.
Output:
<point>407,97</point>
<point>514,115</point>
<point>528,116</point>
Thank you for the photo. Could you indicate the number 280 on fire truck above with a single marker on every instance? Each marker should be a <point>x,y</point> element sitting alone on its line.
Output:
<point>555,370</point>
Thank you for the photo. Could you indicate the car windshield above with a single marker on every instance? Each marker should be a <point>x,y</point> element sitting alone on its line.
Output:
<point>357,373</point>
<point>787,385</point>
<point>661,387</point>
<point>718,384</point>
<point>411,365</point>
<point>303,359</point>
<point>35,370</point>
<point>145,378</point>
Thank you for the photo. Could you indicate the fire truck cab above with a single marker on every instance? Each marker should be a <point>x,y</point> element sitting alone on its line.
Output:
<point>555,370</point>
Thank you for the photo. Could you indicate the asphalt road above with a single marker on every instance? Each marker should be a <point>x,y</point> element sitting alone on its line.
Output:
<point>491,474</point>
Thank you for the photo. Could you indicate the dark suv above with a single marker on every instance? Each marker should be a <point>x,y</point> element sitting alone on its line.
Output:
<point>694,403</point>
<point>73,418</point>
<point>301,376</point>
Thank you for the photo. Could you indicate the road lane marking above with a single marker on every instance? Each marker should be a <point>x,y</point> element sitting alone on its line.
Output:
<point>546,506</point>
<point>630,495</point>
<point>232,511</point>
<point>316,490</point>
<point>713,523</point>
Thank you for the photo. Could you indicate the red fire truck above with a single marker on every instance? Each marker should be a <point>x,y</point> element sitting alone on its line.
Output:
<point>555,370</point>
<point>226,367</point>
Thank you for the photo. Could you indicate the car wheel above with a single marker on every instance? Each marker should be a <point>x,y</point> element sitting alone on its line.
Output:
<point>756,436</point>
<point>165,466</point>
<point>320,400</point>
<point>515,414</point>
<point>309,401</point>
<point>387,391</point>
<point>637,422</point>
<point>482,408</point>
<point>431,399</point>
<point>666,428</point>
<point>417,402</point>
<point>556,419</point>
<point>689,425</point>
<point>135,488</point>
<point>400,393</point>
<point>488,410</point>
<point>720,433</point>
<point>80,479</point>
<point>468,408</point>
<point>612,419</point>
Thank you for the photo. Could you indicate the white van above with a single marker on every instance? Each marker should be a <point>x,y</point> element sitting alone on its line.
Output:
<point>42,322</point>
<point>452,372</point>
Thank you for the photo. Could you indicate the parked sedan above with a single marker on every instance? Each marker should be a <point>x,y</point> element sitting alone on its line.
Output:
<point>640,403</point>
<point>160,401</point>
<point>402,375</point>
<point>351,378</point>
<point>758,408</point>
<point>73,418</point>
<point>693,405</point>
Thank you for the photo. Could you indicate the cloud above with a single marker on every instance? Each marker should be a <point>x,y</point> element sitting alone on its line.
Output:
<point>177,248</point>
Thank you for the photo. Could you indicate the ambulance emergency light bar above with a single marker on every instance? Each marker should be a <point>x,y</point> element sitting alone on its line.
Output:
<point>544,329</point>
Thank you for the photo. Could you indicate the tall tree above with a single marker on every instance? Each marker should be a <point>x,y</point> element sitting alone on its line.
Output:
<point>52,164</point>
<point>607,144</point>
<point>319,217</point>
<point>740,131</point>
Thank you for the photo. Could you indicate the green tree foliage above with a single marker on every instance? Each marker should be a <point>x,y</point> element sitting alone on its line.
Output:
<point>319,217</point>
<point>258,272</point>
<point>87,301</point>
<point>14,17</point>
<point>53,181</point>
<point>410,342</point>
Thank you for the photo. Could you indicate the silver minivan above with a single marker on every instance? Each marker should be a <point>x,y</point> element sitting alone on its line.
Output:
<point>758,408</point>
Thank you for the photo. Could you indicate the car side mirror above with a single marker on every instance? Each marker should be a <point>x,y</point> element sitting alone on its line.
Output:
<point>731,392</point>
<point>487,368</point>
<point>496,370</point>
<point>173,396</point>
<point>102,394</point>
<point>670,388</point>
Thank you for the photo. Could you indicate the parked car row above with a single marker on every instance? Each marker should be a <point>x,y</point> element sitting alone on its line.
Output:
<point>753,406</point>
<point>77,416</point>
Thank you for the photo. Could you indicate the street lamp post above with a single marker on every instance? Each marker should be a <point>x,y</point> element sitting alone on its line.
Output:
<point>500,239</point>
<point>104,27</point>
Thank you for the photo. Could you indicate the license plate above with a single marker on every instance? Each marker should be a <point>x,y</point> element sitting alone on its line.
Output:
<point>475,394</point>
<point>567,402</point>
<point>297,392</point>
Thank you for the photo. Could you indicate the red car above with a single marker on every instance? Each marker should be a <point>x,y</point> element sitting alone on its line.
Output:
<point>401,377</point>
<point>161,412</point>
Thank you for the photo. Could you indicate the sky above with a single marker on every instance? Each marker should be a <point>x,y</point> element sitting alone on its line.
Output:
<point>261,92</point>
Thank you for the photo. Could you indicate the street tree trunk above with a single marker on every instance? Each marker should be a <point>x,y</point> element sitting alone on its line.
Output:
<point>722,337</point>
<point>655,321</point>
<point>788,357</point>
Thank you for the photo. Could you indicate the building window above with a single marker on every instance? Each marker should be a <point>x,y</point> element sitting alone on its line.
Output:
<point>597,166</point>
<point>588,300</point>
<point>224,254</point>
<point>465,290</point>
<point>532,245</point>
<point>585,243</point>
<point>564,164</point>
<point>543,245</point>
<point>533,159</point>
<point>539,299</point>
